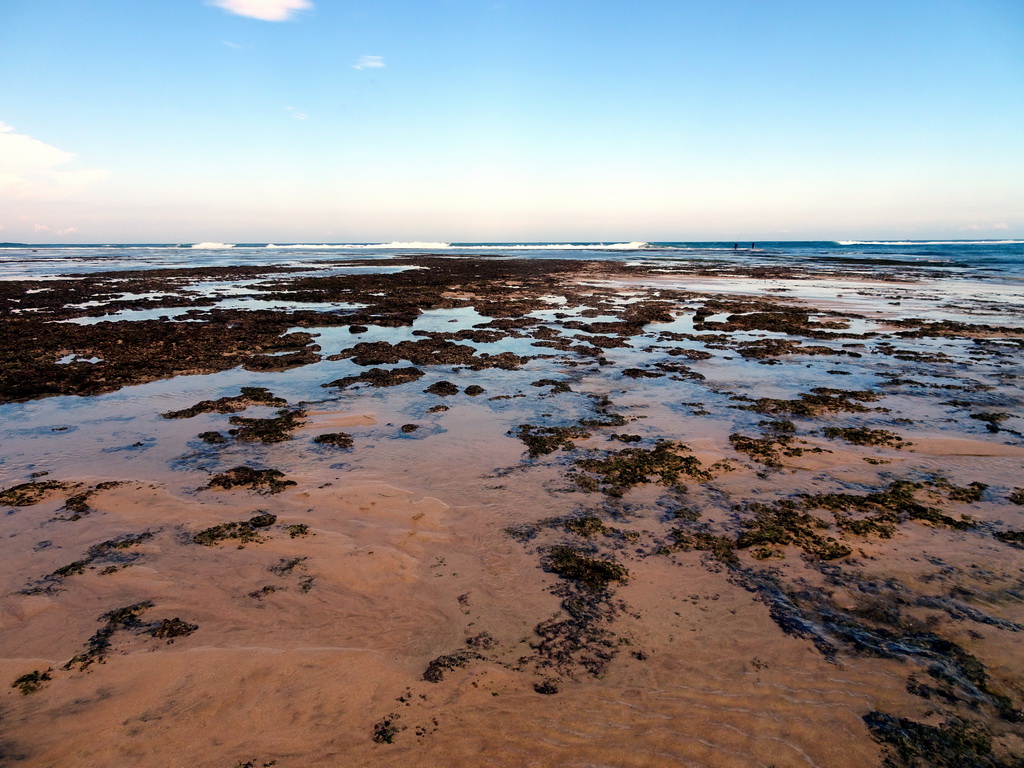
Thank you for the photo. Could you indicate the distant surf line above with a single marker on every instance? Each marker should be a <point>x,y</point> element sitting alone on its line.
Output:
<point>929,242</point>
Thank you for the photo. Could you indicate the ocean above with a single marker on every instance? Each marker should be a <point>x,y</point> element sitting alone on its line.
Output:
<point>1000,260</point>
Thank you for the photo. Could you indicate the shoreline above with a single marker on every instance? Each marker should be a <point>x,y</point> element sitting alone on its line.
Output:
<point>674,525</point>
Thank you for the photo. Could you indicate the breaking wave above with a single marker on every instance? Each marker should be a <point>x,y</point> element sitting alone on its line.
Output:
<point>929,242</point>
<point>214,246</point>
<point>349,246</point>
<point>632,246</point>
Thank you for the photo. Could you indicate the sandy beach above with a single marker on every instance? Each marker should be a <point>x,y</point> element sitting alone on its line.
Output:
<point>492,512</point>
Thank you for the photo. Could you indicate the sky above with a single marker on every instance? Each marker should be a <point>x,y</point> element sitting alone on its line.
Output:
<point>316,121</point>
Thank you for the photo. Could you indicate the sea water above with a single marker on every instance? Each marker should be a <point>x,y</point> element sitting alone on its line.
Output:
<point>988,260</point>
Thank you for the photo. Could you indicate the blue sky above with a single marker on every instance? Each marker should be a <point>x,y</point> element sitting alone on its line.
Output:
<point>494,120</point>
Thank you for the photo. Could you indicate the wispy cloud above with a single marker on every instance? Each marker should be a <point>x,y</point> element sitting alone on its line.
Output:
<point>369,62</point>
<point>267,10</point>
<point>979,227</point>
<point>230,44</point>
<point>52,230</point>
<point>296,114</point>
<point>29,169</point>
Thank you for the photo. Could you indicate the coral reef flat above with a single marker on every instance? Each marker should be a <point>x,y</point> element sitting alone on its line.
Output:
<point>472,511</point>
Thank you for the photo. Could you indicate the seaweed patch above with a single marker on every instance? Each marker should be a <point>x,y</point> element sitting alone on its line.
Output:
<point>953,743</point>
<point>593,573</point>
<point>541,441</point>
<point>260,480</point>
<point>113,554</point>
<point>273,430</point>
<point>243,531</point>
<point>32,681</point>
<point>28,494</point>
<point>98,647</point>
<point>379,377</point>
<point>615,472</point>
<point>249,396</point>
<point>781,524</point>
<point>865,436</point>
<point>335,440</point>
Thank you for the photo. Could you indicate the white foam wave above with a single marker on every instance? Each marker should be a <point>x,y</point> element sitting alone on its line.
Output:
<point>213,246</point>
<point>357,246</point>
<point>929,242</point>
<point>634,246</point>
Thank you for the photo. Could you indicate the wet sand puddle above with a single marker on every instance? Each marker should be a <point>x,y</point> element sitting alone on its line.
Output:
<point>526,519</point>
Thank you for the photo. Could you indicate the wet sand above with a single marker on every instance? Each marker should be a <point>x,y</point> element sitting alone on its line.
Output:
<point>521,514</point>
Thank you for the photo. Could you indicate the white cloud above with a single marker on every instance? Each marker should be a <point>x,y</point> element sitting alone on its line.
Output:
<point>1001,225</point>
<point>19,152</point>
<point>296,114</point>
<point>29,169</point>
<point>267,10</point>
<point>369,62</point>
